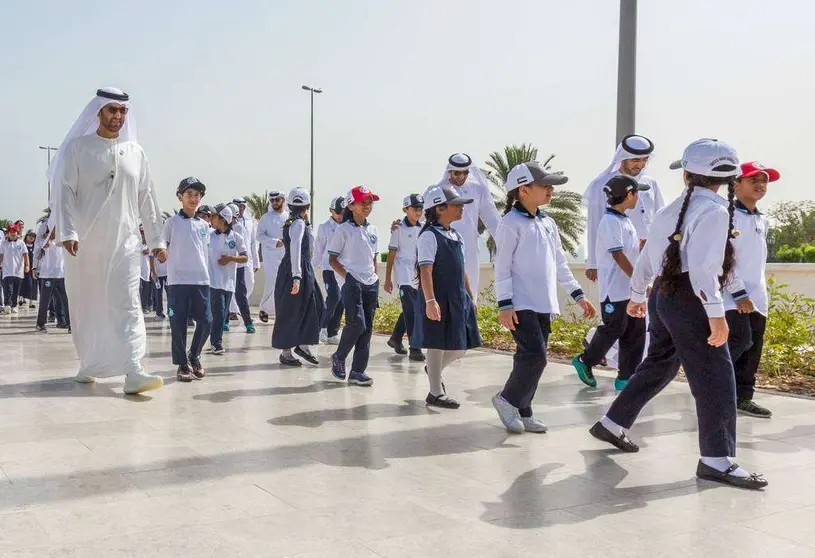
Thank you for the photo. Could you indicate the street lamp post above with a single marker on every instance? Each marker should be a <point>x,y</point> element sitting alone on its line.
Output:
<point>49,150</point>
<point>627,69</point>
<point>312,91</point>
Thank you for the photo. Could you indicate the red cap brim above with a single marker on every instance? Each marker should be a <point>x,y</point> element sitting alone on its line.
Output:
<point>772,174</point>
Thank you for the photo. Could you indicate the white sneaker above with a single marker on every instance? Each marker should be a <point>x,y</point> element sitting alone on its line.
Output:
<point>139,383</point>
<point>8,309</point>
<point>323,336</point>
<point>83,379</point>
<point>333,340</point>
<point>531,424</point>
<point>15,310</point>
<point>508,414</point>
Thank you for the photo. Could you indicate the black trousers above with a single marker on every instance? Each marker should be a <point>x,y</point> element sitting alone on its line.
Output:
<point>745,343</point>
<point>11,290</point>
<point>188,301</point>
<point>334,306</point>
<point>220,300</point>
<point>360,308</point>
<point>53,291</point>
<point>241,296</point>
<point>679,333</point>
<point>404,324</point>
<point>159,286</point>
<point>617,326</point>
<point>146,289</point>
<point>532,340</point>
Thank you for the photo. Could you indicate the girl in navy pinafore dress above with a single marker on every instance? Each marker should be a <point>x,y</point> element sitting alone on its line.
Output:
<point>445,314</point>
<point>298,299</point>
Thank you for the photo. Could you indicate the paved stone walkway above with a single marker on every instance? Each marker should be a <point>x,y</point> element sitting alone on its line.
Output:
<point>259,461</point>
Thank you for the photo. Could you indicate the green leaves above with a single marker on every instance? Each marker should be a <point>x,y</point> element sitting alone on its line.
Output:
<point>257,204</point>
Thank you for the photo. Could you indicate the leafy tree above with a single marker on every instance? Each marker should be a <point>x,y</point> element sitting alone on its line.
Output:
<point>565,208</point>
<point>257,204</point>
<point>792,225</point>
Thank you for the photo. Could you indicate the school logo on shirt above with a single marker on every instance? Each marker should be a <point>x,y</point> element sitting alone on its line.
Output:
<point>231,244</point>
<point>372,238</point>
<point>609,308</point>
<point>48,283</point>
<point>202,232</point>
<point>401,293</point>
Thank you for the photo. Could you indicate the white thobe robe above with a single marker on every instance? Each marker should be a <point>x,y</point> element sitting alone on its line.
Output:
<point>269,231</point>
<point>483,206</point>
<point>250,238</point>
<point>106,187</point>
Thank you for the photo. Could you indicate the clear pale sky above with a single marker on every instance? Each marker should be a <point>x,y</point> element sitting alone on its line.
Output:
<point>216,88</point>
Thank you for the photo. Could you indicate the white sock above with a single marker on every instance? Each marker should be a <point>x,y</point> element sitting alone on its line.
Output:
<point>287,353</point>
<point>305,349</point>
<point>721,464</point>
<point>611,426</point>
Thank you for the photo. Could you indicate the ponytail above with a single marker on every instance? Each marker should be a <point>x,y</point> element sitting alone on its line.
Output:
<point>347,215</point>
<point>672,261</point>
<point>512,197</point>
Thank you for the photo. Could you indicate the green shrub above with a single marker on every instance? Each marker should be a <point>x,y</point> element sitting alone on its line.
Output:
<point>788,254</point>
<point>809,253</point>
<point>789,342</point>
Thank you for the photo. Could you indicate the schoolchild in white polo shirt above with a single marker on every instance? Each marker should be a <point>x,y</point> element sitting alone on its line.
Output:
<point>618,247</point>
<point>49,267</point>
<point>529,266</point>
<point>446,323</point>
<point>187,237</point>
<point>146,286</point>
<point>745,298</point>
<point>333,302</point>
<point>352,254</point>
<point>15,264</point>
<point>241,295</point>
<point>227,249</point>
<point>690,256</point>
<point>402,260</point>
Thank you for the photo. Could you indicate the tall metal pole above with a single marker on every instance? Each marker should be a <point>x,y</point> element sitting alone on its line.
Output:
<point>312,90</point>
<point>49,150</point>
<point>627,69</point>
<point>311,172</point>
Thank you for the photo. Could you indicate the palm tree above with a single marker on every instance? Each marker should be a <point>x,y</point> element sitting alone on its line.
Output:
<point>46,214</point>
<point>165,215</point>
<point>257,204</point>
<point>565,206</point>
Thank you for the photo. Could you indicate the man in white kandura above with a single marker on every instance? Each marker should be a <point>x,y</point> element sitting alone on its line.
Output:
<point>270,237</point>
<point>102,187</point>
<point>471,182</point>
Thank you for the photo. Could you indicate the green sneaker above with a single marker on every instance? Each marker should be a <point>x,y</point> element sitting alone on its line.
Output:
<point>584,372</point>
<point>250,328</point>
<point>619,384</point>
<point>753,409</point>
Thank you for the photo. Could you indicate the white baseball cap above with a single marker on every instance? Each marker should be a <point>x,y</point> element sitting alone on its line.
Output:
<point>533,173</point>
<point>709,157</point>
<point>444,194</point>
<point>298,197</point>
<point>226,214</point>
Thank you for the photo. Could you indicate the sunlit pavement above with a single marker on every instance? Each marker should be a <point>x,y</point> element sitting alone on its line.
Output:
<point>256,460</point>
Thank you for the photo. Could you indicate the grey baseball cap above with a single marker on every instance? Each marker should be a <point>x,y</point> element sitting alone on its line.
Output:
<point>533,173</point>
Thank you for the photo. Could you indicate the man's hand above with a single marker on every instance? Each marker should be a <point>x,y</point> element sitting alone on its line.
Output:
<point>295,287</point>
<point>508,319</point>
<point>388,286</point>
<point>745,306</point>
<point>71,246</point>
<point>35,274</point>
<point>718,332</point>
<point>636,309</point>
<point>588,308</point>
<point>591,275</point>
<point>160,254</point>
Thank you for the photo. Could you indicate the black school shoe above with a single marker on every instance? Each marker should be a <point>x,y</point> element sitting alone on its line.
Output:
<point>753,409</point>
<point>264,317</point>
<point>442,401</point>
<point>184,374</point>
<point>397,347</point>
<point>416,355</point>
<point>622,442</point>
<point>307,356</point>
<point>753,482</point>
<point>289,361</point>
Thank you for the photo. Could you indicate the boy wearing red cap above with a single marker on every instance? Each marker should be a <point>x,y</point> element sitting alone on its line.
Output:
<point>745,299</point>
<point>15,264</point>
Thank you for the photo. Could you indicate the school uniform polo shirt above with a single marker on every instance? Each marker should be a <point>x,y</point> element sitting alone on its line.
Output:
<point>355,247</point>
<point>187,241</point>
<point>403,242</point>
<point>229,243</point>
<point>427,245</point>
<point>615,234</point>
<point>144,272</point>
<point>531,263</point>
<point>750,246</point>
<point>51,263</point>
<point>13,258</point>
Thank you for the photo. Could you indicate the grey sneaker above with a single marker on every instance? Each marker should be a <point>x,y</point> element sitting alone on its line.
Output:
<point>508,414</point>
<point>531,424</point>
